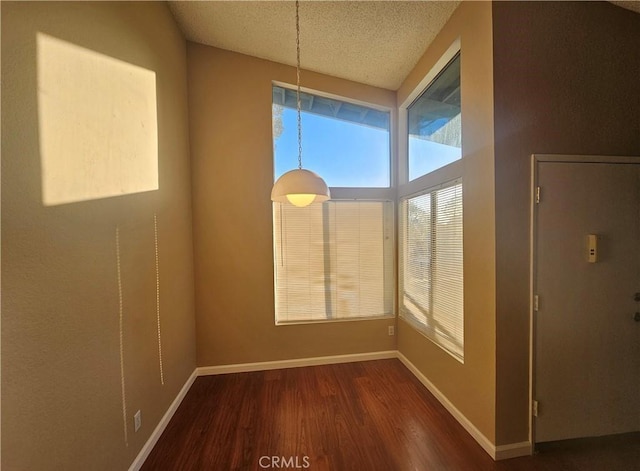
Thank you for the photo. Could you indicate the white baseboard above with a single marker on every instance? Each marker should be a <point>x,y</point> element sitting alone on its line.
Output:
<point>513,450</point>
<point>500,452</point>
<point>297,363</point>
<point>483,441</point>
<point>153,439</point>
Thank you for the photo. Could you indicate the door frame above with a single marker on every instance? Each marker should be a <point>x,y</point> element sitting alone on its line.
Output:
<point>537,159</point>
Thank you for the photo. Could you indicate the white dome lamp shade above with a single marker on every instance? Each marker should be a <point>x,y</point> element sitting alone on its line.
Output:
<point>300,187</point>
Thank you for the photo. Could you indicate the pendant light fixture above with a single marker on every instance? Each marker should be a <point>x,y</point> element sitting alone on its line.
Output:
<point>299,187</point>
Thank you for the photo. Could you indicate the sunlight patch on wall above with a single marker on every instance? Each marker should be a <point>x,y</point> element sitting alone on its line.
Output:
<point>98,124</point>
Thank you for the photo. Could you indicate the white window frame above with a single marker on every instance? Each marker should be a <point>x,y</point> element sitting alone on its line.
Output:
<point>447,343</point>
<point>439,178</point>
<point>383,194</point>
<point>361,193</point>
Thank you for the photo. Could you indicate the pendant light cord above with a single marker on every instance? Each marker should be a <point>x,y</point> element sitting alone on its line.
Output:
<point>299,106</point>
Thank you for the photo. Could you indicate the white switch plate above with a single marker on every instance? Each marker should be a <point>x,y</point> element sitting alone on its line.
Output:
<point>392,330</point>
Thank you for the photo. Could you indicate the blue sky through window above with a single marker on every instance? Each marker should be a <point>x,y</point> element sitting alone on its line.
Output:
<point>345,154</point>
<point>425,156</point>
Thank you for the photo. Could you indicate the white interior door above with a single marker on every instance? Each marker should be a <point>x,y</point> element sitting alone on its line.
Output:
<point>587,342</point>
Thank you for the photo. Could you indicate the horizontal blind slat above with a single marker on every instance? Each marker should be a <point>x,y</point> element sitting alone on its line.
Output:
<point>333,261</point>
<point>431,265</point>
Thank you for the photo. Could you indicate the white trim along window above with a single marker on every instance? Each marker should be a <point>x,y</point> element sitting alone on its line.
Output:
<point>431,265</point>
<point>430,215</point>
<point>334,261</point>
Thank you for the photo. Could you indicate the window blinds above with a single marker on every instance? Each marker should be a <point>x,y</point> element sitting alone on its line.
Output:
<point>333,261</point>
<point>431,266</point>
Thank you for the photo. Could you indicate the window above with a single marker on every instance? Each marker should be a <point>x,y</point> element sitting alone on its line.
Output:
<point>430,213</point>
<point>347,144</point>
<point>435,130</point>
<point>334,261</point>
<point>431,266</point>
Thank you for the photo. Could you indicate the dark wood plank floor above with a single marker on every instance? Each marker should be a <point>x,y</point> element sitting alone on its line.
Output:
<point>364,416</point>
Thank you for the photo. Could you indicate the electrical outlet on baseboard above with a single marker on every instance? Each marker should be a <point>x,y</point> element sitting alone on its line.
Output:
<point>137,421</point>
<point>392,330</point>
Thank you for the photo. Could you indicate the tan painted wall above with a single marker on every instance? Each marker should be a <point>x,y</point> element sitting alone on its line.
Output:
<point>231,144</point>
<point>61,390</point>
<point>566,82</point>
<point>470,387</point>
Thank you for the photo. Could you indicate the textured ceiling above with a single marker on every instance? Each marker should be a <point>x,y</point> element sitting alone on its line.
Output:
<point>372,42</point>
